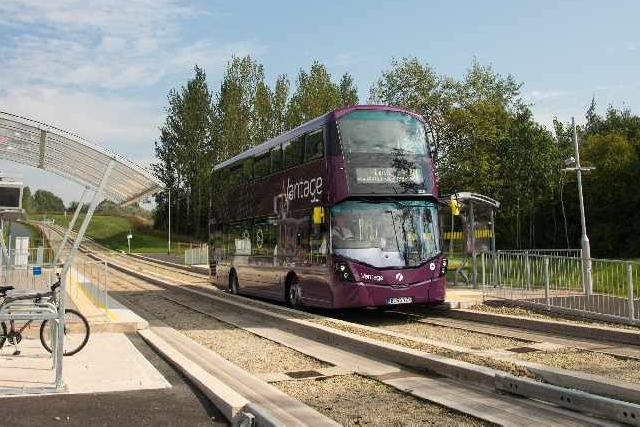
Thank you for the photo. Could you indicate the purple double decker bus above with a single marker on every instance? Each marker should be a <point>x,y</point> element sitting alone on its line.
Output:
<point>338,212</point>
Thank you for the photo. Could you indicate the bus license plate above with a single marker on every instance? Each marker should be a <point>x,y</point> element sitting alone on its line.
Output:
<point>399,300</point>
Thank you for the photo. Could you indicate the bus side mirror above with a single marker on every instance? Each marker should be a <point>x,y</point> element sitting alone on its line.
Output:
<point>318,215</point>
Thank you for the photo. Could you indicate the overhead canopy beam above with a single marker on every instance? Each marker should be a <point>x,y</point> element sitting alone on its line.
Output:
<point>37,144</point>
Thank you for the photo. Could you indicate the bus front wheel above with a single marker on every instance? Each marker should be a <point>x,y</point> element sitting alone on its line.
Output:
<point>294,293</point>
<point>234,287</point>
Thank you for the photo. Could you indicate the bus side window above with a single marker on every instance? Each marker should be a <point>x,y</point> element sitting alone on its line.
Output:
<point>247,173</point>
<point>313,145</point>
<point>235,175</point>
<point>293,152</point>
<point>261,165</point>
<point>276,159</point>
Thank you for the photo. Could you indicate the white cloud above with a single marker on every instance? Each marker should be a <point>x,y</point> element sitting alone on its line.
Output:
<point>101,70</point>
<point>121,124</point>
<point>538,95</point>
<point>116,45</point>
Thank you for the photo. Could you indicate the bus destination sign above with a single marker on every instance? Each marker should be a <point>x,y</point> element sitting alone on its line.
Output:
<point>386,176</point>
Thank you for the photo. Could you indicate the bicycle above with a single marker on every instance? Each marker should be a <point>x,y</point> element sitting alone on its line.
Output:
<point>76,326</point>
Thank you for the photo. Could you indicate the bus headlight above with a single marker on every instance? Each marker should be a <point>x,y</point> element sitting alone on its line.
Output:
<point>443,267</point>
<point>343,270</point>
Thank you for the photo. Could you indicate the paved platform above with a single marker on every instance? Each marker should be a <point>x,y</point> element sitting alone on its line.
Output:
<point>463,297</point>
<point>176,403</point>
<point>109,362</point>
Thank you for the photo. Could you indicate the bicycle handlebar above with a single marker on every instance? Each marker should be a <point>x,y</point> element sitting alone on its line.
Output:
<point>56,284</point>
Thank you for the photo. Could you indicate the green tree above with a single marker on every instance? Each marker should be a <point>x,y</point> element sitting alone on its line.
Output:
<point>239,120</point>
<point>315,95</point>
<point>46,201</point>
<point>348,91</point>
<point>27,200</point>
<point>185,151</point>
<point>280,99</point>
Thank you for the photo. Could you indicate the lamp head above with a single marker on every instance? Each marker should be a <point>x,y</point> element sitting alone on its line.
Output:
<point>570,161</point>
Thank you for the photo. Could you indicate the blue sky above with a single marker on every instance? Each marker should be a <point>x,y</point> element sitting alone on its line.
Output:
<point>102,69</point>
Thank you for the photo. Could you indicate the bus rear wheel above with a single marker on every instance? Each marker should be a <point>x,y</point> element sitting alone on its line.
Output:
<point>234,287</point>
<point>294,293</point>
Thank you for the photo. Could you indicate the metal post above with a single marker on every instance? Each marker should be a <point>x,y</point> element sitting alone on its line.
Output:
<point>547,299</point>
<point>74,249</point>
<point>169,234</point>
<point>70,227</point>
<point>451,234</point>
<point>482,262</point>
<point>584,241</point>
<point>630,282</point>
<point>472,221</point>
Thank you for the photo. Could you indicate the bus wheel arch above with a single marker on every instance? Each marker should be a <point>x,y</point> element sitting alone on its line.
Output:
<point>234,286</point>
<point>293,290</point>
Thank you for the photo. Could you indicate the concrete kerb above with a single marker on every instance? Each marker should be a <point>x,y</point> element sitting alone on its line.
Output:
<point>189,268</point>
<point>576,400</point>
<point>622,336</point>
<point>227,400</point>
<point>460,370</point>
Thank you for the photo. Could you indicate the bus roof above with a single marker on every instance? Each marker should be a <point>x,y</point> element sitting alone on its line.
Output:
<point>306,127</point>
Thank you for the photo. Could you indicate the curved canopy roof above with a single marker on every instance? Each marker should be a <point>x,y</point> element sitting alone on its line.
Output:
<point>42,146</point>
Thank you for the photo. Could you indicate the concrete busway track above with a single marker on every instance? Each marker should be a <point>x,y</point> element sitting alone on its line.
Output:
<point>553,338</point>
<point>512,384</point>
<point>239,383</point>
<point>470,389</point>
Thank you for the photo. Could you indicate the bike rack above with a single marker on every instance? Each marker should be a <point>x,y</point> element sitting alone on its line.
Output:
<point>28,309</point>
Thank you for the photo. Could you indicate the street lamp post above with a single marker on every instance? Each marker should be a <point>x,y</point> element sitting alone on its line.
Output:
<point>169,233</point>
<point>584,240</point>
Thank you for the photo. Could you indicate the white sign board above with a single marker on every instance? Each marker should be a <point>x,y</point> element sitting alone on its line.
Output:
<point>22,252</point>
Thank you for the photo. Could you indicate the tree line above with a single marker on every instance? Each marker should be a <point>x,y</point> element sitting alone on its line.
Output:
<point>484,138</point>
<point>45,202</point>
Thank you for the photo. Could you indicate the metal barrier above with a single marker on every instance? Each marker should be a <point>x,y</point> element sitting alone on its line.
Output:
<point>555,283</point>
<point>569,253</point>
<point>25,258</point>
<point>196,256</point>
<point>92,279</point>
<point>26,278</point>
<point>89,278</point>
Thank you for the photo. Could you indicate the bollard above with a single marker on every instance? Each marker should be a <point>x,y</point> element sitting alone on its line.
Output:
<point>546,283</point>
<point>630,282</point>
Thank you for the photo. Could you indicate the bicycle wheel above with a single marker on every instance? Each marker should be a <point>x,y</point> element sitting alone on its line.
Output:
<point>76,332</point>
<point>3,338</point>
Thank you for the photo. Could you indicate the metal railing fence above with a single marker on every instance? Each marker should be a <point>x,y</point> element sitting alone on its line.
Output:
<point>569,253</point>
<point>197,256</point>
<point>92,279</point>
<point>89,278</point>
<point>556,283</point>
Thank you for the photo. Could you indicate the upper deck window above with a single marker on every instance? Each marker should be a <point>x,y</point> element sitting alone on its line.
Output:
<point>293,152</point>
<point>313,145</point>
<point>261,166</point>
<point>369,131</point>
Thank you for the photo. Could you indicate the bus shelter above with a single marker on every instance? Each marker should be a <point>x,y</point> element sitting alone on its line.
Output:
<point>102,173</point>
<point>469,230</point>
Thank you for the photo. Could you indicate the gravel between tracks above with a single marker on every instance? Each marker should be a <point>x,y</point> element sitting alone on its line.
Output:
<point>593,363</point>
<point>355,401</point>
<point>497,308</point>
<point>429,348</point>
<point>468,339</point>
<point>250,352</point>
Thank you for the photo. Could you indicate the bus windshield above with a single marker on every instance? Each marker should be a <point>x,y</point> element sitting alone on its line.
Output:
<point>385,234</point>
<point>369,131</point>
